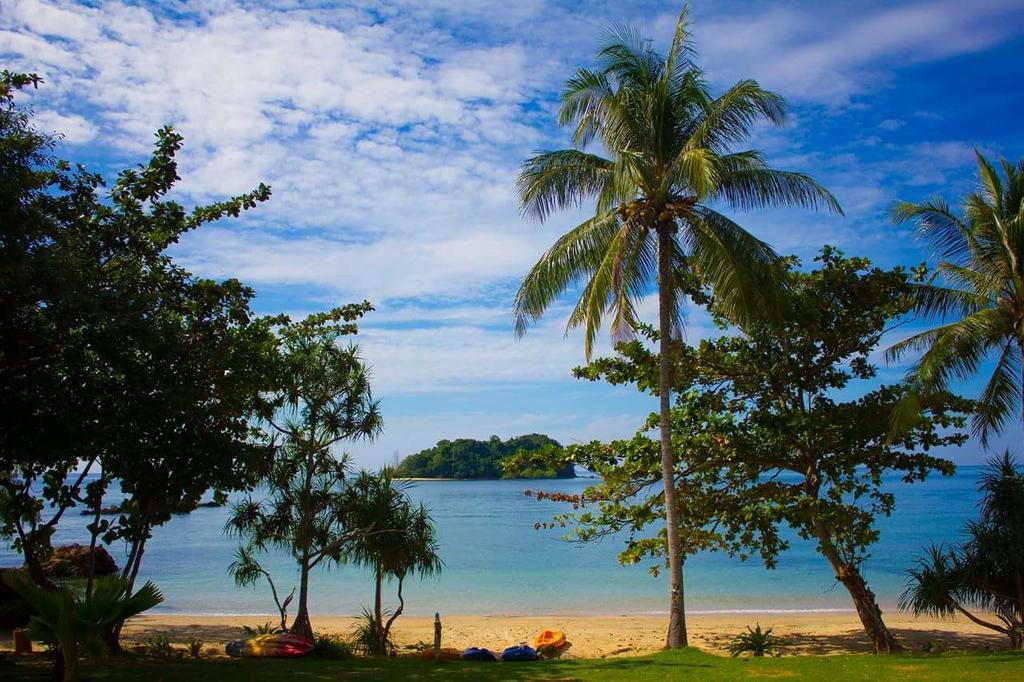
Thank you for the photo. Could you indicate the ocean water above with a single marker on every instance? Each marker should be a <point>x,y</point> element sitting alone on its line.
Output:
<point>496,563</point>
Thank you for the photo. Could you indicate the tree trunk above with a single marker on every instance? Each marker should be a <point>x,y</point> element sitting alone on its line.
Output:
<point>677,614</point>
<point>863,598</point>
<point>68,669</point>
<point>130,573</point>
<point>378,614</point>
<point>301,624</point>
<point>398,611</point>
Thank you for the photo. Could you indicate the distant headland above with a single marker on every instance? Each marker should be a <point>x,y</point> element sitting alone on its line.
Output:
<point>470,459</point>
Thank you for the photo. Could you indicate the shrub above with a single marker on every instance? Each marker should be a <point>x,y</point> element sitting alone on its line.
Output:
<point>332,645</point>
<point>366,635</point>
<point>758,642</point>
<point>195,647</point>
<point>159,645</point>
<point>267,628</point>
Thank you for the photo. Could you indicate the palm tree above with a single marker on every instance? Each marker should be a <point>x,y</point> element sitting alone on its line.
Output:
<point>670,155</point>
<point>78,624</point>
<point>408,545</point>
<point>980,279</point>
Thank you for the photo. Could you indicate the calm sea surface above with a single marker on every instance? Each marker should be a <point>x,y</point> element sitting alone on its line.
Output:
<point>496,563</point>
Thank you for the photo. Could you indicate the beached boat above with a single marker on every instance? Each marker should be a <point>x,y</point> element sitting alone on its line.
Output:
<point>280,645</point>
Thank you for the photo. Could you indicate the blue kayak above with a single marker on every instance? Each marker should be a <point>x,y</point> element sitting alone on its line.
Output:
<point>478,654</point>
<point>519,653</point>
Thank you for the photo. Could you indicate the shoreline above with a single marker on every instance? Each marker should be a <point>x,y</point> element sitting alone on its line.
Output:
<point>604,636</point>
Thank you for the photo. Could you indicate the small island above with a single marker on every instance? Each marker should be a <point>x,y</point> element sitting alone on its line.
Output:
<point>470,459</point>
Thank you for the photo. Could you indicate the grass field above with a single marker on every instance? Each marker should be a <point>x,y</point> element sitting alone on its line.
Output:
<point>672,665</point>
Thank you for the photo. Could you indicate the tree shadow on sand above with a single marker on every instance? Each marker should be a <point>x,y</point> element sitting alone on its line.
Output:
<point>855,640</point>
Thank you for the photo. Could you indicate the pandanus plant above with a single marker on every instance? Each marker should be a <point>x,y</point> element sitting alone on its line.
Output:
<point>76,624</point>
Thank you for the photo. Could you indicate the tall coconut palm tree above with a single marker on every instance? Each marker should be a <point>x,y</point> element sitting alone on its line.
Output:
<point>670,155</point>
<point>980,280</point>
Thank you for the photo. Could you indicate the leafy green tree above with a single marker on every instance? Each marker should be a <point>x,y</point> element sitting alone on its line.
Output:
<point>408,546</point>
<point>324,398</point>
<point>984,573</point>
<point>111,352</point>
<point>672,154</point>
<point>980,282</point>
<point>779,442</point>
<point>627,497</point>
<point>75,624</point>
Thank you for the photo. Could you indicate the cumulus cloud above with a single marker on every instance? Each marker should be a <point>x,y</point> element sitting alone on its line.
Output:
<point>392,134</point>
<point>73,129</point>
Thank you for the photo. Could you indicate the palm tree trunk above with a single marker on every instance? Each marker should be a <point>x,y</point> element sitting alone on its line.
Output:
<point>677,614</point>
<point>378,612</point>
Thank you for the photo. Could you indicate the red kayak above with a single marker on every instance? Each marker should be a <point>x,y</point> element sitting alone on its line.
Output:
<point>271,646</point>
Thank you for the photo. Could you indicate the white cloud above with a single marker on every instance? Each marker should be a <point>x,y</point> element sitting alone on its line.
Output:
<point>789,48</point>
<point>73,129</point>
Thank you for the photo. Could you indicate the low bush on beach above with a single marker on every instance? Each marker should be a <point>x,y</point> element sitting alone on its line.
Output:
<point>366,636</point>
<point>195,647</point>
<point>159,645</point>
<point>267,628</point>
<point>333,646</point>
<point>757,641</point>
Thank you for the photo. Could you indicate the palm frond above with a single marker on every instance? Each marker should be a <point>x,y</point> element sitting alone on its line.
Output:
<point>754,187</point>
<point>582,100</point>
<point>737,265</point>
<point>941,301</point>
<point>1001,396</point>
<point>575,255</point>
<point>729,118</point>
<point>561,179</point>
<point>942,230</point>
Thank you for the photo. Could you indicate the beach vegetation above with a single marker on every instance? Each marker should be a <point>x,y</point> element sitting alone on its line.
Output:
<point>756,641</point>
<point>266,628</point>
<point>673,151</point>
<point>247,571</point>
<point>323,399</point>
<point>471,459</point>
<point>195,647</point>
<point>977,291</point>
<point>113,353</point>
<point>764,436</point>
<point>332,645</point>
<point>981,578</point>
<point>75,622</point>
<point>159,645</point>
<point>369,637</point>
<point>408,547</point>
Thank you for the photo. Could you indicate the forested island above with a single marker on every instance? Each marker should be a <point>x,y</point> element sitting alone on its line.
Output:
<point>467,458</point>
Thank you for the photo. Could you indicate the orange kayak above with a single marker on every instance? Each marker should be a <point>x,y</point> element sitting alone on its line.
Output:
<point>549,639</point>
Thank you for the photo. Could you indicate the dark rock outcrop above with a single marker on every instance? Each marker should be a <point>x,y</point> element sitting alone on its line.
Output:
<point>72,561</point>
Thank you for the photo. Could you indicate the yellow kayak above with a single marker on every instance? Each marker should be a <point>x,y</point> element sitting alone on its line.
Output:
<point>549,639</point>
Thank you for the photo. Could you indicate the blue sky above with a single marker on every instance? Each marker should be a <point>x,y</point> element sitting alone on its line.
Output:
<point>391,134</point>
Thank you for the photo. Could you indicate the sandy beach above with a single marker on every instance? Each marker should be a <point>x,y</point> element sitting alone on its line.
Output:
<point>605,636</point>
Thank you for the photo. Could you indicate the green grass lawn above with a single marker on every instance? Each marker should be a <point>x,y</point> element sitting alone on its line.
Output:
<point>670,665</point>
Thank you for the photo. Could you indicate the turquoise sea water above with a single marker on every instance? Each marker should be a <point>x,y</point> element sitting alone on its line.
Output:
<point>496,563</point>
